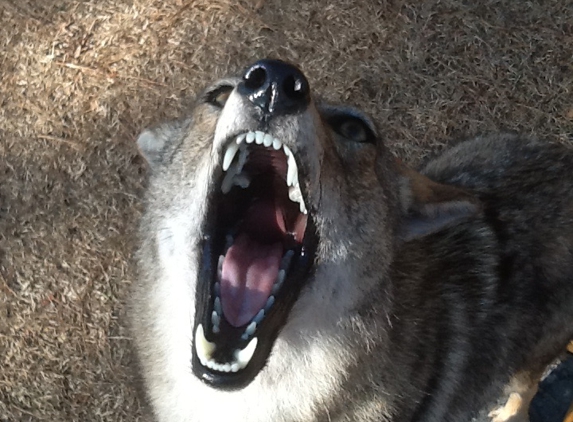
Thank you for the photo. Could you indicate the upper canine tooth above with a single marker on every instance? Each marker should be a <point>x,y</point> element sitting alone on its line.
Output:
<point>229,155</point>
<point>259,136</point>
<point>267,140</point>
<point>204,347</point>
<point>294,194</point>
<point>292,174</point>
<point>277,144</point>
<point>250,137</point>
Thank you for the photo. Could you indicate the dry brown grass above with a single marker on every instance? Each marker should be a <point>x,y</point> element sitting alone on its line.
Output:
<point>79,79</point>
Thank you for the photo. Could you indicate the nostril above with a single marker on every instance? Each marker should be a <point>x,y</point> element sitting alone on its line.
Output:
<point>275,87</point>
<point>255,78</point>
<point>295,88</point>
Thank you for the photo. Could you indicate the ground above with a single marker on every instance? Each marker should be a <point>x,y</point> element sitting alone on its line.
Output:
<point>80,79</point>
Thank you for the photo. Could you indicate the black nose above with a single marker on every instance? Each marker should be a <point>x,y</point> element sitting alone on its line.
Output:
<point>275,87</point>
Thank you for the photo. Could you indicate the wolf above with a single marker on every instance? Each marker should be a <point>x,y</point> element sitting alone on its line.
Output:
<point>290,268</point>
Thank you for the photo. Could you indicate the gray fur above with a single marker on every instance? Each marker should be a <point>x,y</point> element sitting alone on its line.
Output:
<point>425,301</point>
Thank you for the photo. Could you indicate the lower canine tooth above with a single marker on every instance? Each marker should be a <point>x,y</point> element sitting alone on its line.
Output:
<point>203,347</point>
<point>243,357</point>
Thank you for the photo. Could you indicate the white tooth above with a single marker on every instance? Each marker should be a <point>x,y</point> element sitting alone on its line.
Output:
<point>216,329</point>
<point>267,140</point>
<point>281,277</point>
<point>270,302</point>
<point>277,144</point>
<point>228,180</point>
<point>235,367</point>
<point>220,266</point>
<point>279,281</point>
<point>241,138</point>
<point>203,347</point>
<point>242,180</point>
<point>226,367</point>
<point>259,317</point>
<point>259,137</point>
<point>243,155</point>
<point>292,174</point>
<point>229,155</point>
<point>215,319</point>
<point>250,137</point>
<point>243,357</point>
<point>285,261</point>
<point>294,193</point>
<point>287,151</point>
<point>217,306</point>
<point>250,330</point>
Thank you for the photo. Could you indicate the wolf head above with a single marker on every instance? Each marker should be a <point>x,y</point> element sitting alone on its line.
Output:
<point>270,227</point>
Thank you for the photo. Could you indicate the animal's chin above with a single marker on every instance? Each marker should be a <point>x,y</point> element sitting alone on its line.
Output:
<point>257,253</point>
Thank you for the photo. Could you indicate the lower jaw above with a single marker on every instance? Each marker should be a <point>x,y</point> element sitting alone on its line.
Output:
<point>230,340</point>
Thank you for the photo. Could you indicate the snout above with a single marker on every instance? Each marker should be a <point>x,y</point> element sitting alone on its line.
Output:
<point>275,87</point>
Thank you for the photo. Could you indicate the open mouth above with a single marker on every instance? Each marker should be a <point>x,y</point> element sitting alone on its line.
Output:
<point>258,251</point>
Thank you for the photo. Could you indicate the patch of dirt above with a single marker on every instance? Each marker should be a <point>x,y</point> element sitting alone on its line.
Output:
<point>80,79</point>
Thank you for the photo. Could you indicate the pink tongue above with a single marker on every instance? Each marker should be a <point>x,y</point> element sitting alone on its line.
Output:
<point>250,269</point>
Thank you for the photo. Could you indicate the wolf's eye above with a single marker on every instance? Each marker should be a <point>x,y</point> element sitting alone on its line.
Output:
<point>219,96</point>
<point>352,128</point>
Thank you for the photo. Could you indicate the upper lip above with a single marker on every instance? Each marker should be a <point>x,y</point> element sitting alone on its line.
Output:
<point>237,144</point>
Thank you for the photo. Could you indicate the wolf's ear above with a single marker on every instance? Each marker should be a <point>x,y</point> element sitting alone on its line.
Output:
<point>153,143</point>
<point>151,146</point>
<point>428,206</point>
